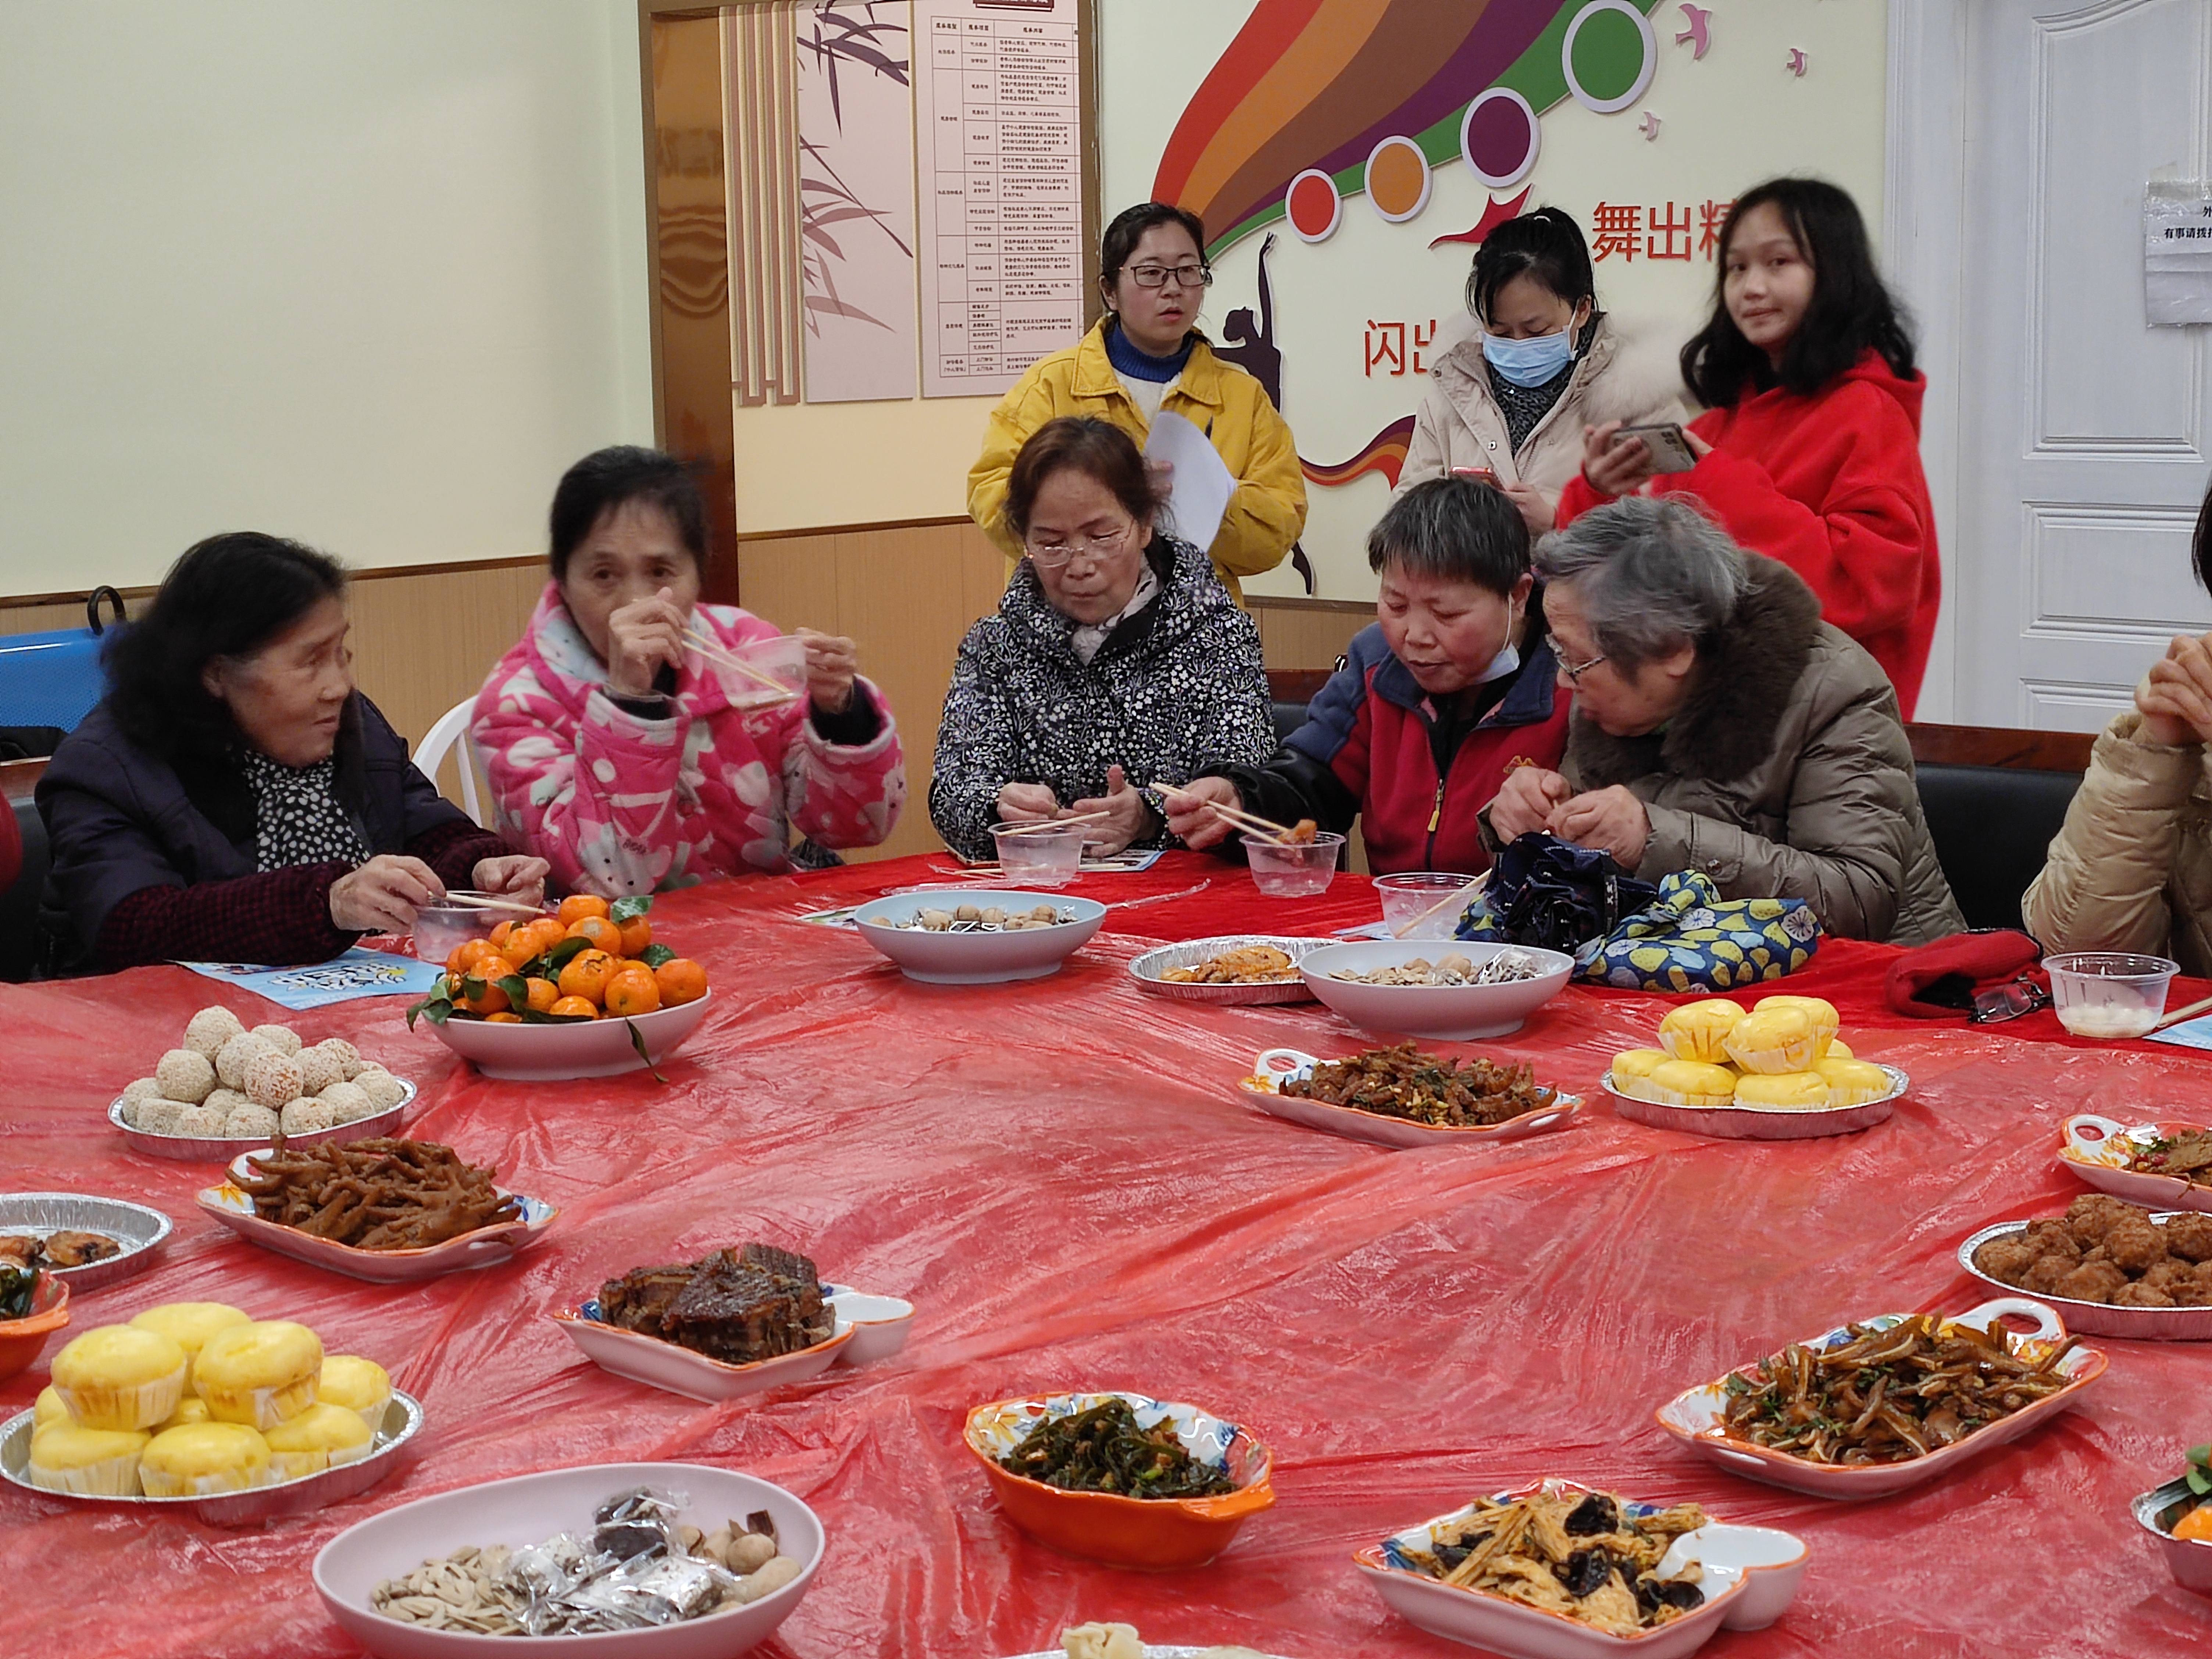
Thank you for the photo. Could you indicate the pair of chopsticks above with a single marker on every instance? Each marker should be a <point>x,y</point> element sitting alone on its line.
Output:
<point>714,652</point>
<point>1043,824</point>
<point>1466,895</point>
<point>471,902</point>
<point>2181,1014</point>
<point>1265,829</point>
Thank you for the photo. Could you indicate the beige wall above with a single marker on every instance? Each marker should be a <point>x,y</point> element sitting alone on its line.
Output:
<point>370,273</point>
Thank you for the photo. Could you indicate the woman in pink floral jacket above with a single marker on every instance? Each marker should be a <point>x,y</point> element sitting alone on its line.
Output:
<point>632,761</point>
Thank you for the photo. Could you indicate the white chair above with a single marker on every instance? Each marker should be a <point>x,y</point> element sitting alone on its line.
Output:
<point>450,735</point>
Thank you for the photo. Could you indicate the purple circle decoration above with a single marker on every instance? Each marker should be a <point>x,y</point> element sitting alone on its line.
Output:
<point>1499,137</point>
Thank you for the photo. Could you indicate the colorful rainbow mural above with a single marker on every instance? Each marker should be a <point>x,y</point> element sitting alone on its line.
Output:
<point>1317,85</point>
<point>1385,452</point>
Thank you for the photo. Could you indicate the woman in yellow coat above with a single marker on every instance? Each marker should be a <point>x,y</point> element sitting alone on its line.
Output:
<point>1143,357</point>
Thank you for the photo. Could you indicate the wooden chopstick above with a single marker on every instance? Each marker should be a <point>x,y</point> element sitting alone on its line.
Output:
<point>1466,895</point>
<point>470,902</point>
<point>2181,1014</point>
<point>714,652</point>
<point>1277,833</point>
<point>1043,824</point>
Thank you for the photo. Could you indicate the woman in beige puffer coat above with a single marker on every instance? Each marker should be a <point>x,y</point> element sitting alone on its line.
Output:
<point>1512,400</point>
<point>2132,870</point>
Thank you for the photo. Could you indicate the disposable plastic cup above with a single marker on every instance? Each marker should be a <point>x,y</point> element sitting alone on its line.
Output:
<point>1294,869</point>
<point>1414,901</point>
<point>441,929</point>
<point>1040,858</point>
<point>2109,993</point>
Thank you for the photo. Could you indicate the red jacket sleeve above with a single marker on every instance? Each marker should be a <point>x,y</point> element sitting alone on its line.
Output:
<point>1863,547</point>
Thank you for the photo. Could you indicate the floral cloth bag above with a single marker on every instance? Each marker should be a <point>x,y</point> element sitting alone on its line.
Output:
<point>1685,938</point>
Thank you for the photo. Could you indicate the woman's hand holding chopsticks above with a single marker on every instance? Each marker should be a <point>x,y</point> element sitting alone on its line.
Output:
<point>1122,815</point>
<point>1191,819</point>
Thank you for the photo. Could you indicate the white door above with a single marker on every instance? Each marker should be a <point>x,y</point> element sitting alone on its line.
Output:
<point>2083,434</point>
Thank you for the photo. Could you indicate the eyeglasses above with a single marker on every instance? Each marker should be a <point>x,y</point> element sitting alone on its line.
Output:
<point>1574,671</point>
<point>1157,276</point>
<point>1051,556</point>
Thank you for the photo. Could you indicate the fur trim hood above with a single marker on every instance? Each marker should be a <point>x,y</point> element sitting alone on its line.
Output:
<point>1746,679</point>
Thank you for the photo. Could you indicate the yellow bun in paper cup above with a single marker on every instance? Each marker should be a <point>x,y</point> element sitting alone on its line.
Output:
<point>320,1438</point>
<point>361,1386</point>
<point>189,1324</point>
<point>90,1462</point>
<point>1697,1031</point>
<point>1632,1071</point>
<point>1693,1083</point>
<point>1853,1082</point>
<point>118,1377</point>
<point>1827,1022</point>
<point>1774,1041</point>
<point>201,1460</point>
<point>1787,1091</point>
<point>259,1374</point>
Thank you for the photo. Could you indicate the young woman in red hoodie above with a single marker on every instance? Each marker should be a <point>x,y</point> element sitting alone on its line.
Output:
<point>1809,451</point>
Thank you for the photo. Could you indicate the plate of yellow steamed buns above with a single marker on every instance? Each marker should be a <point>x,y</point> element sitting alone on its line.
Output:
<point>196,1403</point>
<point>1776,1071</point>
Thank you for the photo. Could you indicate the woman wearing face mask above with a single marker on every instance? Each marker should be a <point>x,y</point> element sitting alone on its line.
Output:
<point>233,798</point>
<point>1512,400</point>
<point>1810,451</point>
<point>633,758</point>
<point>1114,661</point>
<point>1146,356</point>
<point>1449,691</point>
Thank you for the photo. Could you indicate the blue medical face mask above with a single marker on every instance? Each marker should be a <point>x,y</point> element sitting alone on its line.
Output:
<point>1506,663</point>
<point>1532,362</point>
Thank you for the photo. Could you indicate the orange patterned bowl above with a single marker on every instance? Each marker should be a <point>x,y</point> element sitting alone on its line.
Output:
<point>21,1339</point>
<point>1159,1534</point>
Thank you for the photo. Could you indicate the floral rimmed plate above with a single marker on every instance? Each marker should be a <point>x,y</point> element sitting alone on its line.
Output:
<point>1262,1090</point>
<point>2099,1149</point>
<point>2098,1318</point>
<point>1694,1417</point>
<point>1757,1569</point>
<point>485,1247</point>
<point>402,1421</point>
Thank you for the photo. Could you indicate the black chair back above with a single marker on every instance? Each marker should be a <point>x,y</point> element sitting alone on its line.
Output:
<point>19,905</point>
<point>1992,826</point>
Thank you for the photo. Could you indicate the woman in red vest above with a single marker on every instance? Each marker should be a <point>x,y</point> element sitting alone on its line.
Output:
<point>1809,451</point>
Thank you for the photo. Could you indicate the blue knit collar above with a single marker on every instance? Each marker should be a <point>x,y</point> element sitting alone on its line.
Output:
<point>1134,364</point>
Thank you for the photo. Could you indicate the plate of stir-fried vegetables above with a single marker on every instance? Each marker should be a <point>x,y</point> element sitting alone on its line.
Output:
<point>1874,1407</point>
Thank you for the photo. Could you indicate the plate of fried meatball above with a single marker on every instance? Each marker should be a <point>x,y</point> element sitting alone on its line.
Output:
<point>2110,1267</point>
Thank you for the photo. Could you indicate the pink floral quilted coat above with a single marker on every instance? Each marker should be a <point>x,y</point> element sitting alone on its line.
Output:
<point>622,804</point>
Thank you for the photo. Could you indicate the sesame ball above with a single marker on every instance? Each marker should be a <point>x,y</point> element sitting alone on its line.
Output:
<point>235,1056</point>
<point>184,1076</point>
<point>304,1116</point>
<point>318,1069</point>
<point>282,1038</point>
<point>198,1122</point>
<point>144,1088</point>
<point>272,1079</point>
<point>348,1056</point>
<point>349,1102</point>
<point>384,1089</point>
<point>248,1119</point>
<point>225,1101</point>
<point>211,1029</point>
<point>156,1117</point>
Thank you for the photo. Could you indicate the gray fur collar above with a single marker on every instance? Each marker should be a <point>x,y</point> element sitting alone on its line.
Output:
<point>1744,678</point>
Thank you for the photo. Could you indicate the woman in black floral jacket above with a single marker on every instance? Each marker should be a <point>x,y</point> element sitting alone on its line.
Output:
<point>1116,660</point>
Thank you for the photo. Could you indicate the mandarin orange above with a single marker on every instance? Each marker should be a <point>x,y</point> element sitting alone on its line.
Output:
<point>586,977</point>
<point>577,906</point>
<point>680,981</point>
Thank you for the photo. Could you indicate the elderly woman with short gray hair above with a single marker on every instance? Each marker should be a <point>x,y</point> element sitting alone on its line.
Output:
<point>1720,725</point>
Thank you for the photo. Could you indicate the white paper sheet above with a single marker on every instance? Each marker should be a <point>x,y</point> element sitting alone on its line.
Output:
<point>1202,485</point>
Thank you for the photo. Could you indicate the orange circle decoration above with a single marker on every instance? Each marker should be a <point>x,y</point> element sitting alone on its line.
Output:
<point>1312,205</point>
<point>1398,179</point>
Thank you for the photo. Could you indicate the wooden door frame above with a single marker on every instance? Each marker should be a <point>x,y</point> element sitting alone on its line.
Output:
<point>1924,246</point>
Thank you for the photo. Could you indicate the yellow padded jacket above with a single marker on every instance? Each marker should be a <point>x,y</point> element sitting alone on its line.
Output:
<point>1265,515</point>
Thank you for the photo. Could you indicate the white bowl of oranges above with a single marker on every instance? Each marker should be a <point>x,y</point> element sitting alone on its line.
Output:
<point>584,992</point>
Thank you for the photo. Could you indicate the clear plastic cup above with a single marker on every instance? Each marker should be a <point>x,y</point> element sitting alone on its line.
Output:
<point>1293,869</point>
<point>441,929</point>
<point>1415,900</point>
<point>2109,993</point>
<point>1040,858</point>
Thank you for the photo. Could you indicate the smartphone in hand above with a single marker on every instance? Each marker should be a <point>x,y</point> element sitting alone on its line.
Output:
<point>1482,475</point>
<point>1668,444</point>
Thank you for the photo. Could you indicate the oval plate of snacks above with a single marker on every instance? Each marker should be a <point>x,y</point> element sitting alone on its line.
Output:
<point>272,1198</point>
<point>1243,970</point>
<point>1735,1420</point>
<point>1447,990</point>
<point>2153,1259</point>
<point>933,938</point>
<point>83,1241</point>
<point>1414,1097</point>
<point>401,1422</point>
<point>431,1579</point>
<point>1746,1577</point>
<point>2168,1164</point>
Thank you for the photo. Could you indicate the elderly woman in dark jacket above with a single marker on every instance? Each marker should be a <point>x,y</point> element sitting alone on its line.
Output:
<point>233,797</point>
<point>1116,660</point>
<point>1720,725</point>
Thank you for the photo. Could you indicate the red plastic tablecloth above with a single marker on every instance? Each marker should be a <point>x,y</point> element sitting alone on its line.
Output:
<point>1058,1174</point>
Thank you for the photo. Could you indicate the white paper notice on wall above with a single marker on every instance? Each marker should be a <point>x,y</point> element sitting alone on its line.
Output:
<point>1198,492</point>
<point>2177,254</point>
